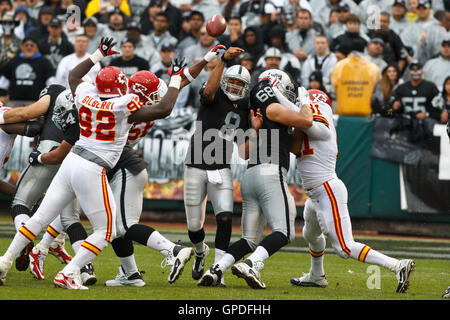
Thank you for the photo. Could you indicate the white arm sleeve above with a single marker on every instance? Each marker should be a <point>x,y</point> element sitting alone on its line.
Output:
<point>318,131</point>
<point>284,101</point>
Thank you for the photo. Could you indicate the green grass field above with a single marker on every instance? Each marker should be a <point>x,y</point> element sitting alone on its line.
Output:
<point>348,279</point>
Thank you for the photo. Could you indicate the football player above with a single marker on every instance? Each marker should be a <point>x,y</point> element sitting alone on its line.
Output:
<point>106,114</point>
<point>265,194</point>
<point>54,144</point>
<point>223,110</point>
<point>326,211</point>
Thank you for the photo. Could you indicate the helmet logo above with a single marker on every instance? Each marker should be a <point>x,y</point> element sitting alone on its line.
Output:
<point>121,78</point>
<point>137,87</point>
<point>319,97</point>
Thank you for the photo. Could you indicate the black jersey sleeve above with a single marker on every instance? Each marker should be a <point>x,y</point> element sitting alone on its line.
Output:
<point>70,126</point>
<point>203,101</point>
<point>262,96</point>
<point>53,90</point>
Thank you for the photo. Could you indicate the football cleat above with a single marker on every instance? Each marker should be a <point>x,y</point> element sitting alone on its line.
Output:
<point>250,273</point>
<point>308,280</point>
<point>22,261</point>
<point>177,258</point>
<point>199,263</point>
<point>446,294</point>
<point>404,269</point>
<point>212,277</point>
<point>5,265</point>
<point>57,249</point>
<point>87,275</point>
<point>126,280</point>
<point>37,258</point>
<point>70,281</point>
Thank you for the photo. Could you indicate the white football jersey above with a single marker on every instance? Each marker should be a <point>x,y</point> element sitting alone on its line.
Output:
<point>104,124</point>
<point>316,162</point>
<point>140,129</point>
<point>6,142</point>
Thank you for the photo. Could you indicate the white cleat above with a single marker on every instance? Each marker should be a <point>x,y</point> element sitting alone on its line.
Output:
<point>126,280</point>
<point>199,263</point>
<point>5,265</point>
<point>37,258</point>
<point>58,250</point>
<point>404,269</point>
<point>309,280</point>
<point>177,258</point>
<point>250,272</point>
<point>212,277</point>
<point>70,281</point>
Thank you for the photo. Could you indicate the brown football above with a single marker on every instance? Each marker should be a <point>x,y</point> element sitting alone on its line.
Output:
<point>216,25</point>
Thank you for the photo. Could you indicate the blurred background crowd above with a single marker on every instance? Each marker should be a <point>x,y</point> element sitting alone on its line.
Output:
<point>370,56</point>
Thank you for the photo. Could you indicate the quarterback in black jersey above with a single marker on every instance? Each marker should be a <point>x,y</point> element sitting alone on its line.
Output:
<point>223,111</point>
<point>265,194</point>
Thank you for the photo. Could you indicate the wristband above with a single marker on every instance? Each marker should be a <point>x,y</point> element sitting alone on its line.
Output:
<point>39,158</point>
<point>2,118</point>
<point>97,56</point>
<point>188,75</point>
<point>175,81</point>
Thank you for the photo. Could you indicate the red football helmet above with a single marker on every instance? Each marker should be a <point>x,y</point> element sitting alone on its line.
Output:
<point>145,85</point>
<point>111,82</point>
<point>318,95</point>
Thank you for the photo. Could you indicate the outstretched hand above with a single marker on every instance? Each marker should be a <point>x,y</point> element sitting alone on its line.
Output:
<point>177,66</point>
<point>106,46</point>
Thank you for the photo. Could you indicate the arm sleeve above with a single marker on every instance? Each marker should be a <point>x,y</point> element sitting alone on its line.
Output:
<point>319,130</point>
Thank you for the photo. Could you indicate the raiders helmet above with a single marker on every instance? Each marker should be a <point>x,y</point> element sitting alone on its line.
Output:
<point>285,84</point>
<point>233,91</point>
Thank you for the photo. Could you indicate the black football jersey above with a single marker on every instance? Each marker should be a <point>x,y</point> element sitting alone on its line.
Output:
<point>211,145</point>
<point>274,139</point>
<point>422,98</point>
<point>50,131</point>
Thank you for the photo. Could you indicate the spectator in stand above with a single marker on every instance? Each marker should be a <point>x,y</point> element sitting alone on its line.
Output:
<point>437,69</point>
<point>160,69</point>
<point>342,51</point>
<point>446,94</point>
<point>367,9</point>
<point>374,52</point>
<point>324,11</point>
<point>5,6</point>
<point>315,81</point>
<point>116,25</point>
<point>21,14</point>
<point>34,8</point>
<point>9,43</point>
<point>72,60</point>
<point>196,52</point>
<point>390,79</point>
<point>160,34</point>
<point>46,15</point>
<point>196,22</point>
<point>249,12</point>
<point>207,7</point>
<point>253,42</point>
<point>431,38</point>
<point>354,79</point>
<point>102,9</point>
<point>56,46</point>
<point>352,37</point>
<point>289,62</point>
<point>143,47</point>
<point>27,73</point>
<point>272,60</point>
<point>301,40</point>
<point>410,36</point>
<point>399,21</point>
<point>235,37</point>
<point>321,60</point>
<point>394,50</point>
<point>174,14</point>
<point>419,98</point>
<point>128,61</point>
<point>149,15</point>
<point>94,31</point>
<point>338,28</point>
<point>411,15</point>
<point>246,60</point>
<point>138,9</point>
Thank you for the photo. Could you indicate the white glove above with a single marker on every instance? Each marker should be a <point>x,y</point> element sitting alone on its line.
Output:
<point>303,96</point>
<point>214,53</point>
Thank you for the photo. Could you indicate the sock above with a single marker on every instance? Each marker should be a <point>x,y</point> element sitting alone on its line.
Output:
<point>77,234</point>
<point>226,261</point>
<point>128,264</point>
<point>20,220</point>
<point>371,256</point>
<point>82,258</point>
<point>218,254</point>
<point>260,254</point>
<point>317,251</point>
<point>159,242</point>
<point>76,245</point>
<point>25,235</point>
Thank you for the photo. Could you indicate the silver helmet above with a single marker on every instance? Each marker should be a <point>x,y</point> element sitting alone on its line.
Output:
<point>285,84</point>
<point>233,91</point>
<point>63,102</point>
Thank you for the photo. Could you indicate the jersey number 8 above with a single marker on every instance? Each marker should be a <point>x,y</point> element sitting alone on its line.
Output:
<point>103,130</point>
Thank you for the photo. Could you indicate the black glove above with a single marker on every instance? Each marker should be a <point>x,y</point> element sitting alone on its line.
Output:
<point>177,66</point>
<point>33,159</point>
<point>106,45</point>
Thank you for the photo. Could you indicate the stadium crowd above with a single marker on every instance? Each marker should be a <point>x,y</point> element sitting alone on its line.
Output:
<point>403,46</point>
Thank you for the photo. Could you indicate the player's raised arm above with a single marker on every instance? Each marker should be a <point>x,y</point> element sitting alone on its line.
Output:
<point>165,106</point>
<point>105,48</point>
<point>213,82</point>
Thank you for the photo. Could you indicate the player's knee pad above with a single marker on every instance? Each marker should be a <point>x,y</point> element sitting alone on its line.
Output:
<point>76,232</point>
<point>240,248</point>
<point>196,236</point>
<point>18,210</point>
<point>274,242</point>
<point>223,233</point>
<point>139,233</point>
<point>122,247</point>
